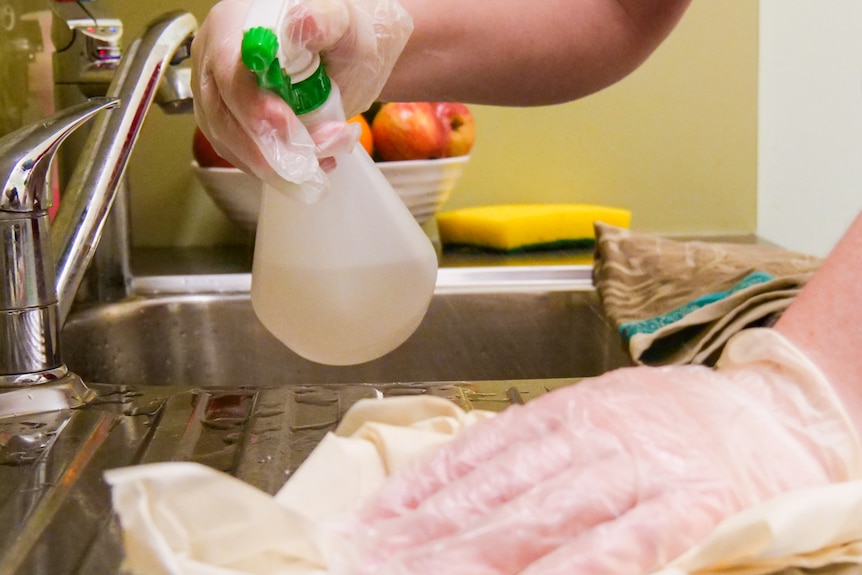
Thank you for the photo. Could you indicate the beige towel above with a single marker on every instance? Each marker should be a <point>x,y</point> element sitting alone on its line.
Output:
<point>678,302</point>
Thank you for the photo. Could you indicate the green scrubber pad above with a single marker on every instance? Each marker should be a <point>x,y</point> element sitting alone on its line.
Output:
<point>521,227</point>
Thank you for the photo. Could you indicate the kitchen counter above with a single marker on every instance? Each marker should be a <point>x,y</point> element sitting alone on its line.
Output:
<point>238,259</point>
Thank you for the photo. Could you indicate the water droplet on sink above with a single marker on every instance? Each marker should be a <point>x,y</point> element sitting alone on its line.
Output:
<point>221,459</point>
<point>315,426</point>
<point>33,424</point>
<point>232,438</point>
<point>223,423</point>
<point>269,413</point>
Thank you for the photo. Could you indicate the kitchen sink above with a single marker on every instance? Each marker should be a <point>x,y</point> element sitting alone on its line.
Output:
<point>184,371</point>
<point>538,326</point>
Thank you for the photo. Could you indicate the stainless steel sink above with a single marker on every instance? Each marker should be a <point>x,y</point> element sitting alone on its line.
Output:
<point>475,329</point>
<point>185,372</point>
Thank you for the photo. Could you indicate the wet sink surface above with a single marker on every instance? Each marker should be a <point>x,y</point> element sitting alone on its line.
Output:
<point>56,508</point>
<point>216,341</point>
<point>195,377</point>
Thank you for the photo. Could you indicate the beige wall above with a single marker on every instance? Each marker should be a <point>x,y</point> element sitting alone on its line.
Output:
<point>168,205</point>
<point>675,142</point>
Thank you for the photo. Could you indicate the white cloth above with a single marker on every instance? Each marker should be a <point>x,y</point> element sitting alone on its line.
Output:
<point>184,518</point>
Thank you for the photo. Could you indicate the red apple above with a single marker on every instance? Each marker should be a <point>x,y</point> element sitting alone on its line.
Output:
<point>408,131</point>
<point>460,128</point>
<point>205,154</point>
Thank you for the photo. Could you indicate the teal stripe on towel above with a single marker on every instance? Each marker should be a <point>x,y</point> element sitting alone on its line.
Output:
<point>653,324</point>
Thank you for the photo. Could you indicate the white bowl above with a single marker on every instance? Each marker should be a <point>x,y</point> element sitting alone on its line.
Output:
<point>236,193</point>
<point>423,186</point>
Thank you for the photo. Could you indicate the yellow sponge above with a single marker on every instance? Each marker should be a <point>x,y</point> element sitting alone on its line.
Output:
<point>518,227</point>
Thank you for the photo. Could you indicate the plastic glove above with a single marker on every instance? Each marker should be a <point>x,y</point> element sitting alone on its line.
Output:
<point>254,129</point>
<point>359,42</point>
<point>618,474</point>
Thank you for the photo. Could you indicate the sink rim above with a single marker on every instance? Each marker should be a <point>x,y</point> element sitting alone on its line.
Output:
<point>450,280</point>
<point>570,311</point>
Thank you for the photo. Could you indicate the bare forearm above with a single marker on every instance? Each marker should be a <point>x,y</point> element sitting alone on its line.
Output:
<point>514,52</point>
<point>826,320</point>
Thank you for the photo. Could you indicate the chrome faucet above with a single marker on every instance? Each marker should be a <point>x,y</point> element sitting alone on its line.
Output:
<point>87,35</point>
<point>38,289</point>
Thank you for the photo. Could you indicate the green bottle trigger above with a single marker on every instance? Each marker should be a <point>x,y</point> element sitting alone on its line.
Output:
<point>260,55</point>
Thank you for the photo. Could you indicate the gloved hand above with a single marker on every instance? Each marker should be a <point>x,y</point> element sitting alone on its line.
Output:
<point>255,130</point>
<point>618,474</point>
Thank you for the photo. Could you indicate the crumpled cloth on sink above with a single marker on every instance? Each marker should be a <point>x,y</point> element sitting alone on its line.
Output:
<point>678,302</point>
<point>187,519</point>
<point>183,518</point>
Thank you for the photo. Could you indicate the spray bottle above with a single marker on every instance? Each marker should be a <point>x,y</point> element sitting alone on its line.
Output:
<point>347,278</point>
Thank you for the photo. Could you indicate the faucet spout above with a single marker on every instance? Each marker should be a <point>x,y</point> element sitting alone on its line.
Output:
<point>93,185</point>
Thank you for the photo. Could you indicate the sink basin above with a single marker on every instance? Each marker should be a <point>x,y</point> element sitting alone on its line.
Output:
<point>475,329</point>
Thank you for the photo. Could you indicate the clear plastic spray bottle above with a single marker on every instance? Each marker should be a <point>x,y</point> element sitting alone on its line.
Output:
<point>347,278</point>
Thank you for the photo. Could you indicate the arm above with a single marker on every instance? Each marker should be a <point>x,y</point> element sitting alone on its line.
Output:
<point>510,53</point>
<point>617,474</point>
<point>656,456</point>
<point>826,320</point>
<point>513,53</point>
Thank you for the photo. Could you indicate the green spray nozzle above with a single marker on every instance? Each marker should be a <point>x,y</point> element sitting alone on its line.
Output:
<point>260,55</point>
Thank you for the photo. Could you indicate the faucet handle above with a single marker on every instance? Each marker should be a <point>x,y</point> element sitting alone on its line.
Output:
<point>26,154</point>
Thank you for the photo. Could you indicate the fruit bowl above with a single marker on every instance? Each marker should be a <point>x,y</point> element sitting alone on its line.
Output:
<point>423,186</point>
<point>235,193</point>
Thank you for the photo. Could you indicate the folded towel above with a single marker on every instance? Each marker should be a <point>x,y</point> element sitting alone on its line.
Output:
<point>678,302</point>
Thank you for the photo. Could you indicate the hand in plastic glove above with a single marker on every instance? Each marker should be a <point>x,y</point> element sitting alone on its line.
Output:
<point>254,129</point>
<point>619,474</point>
